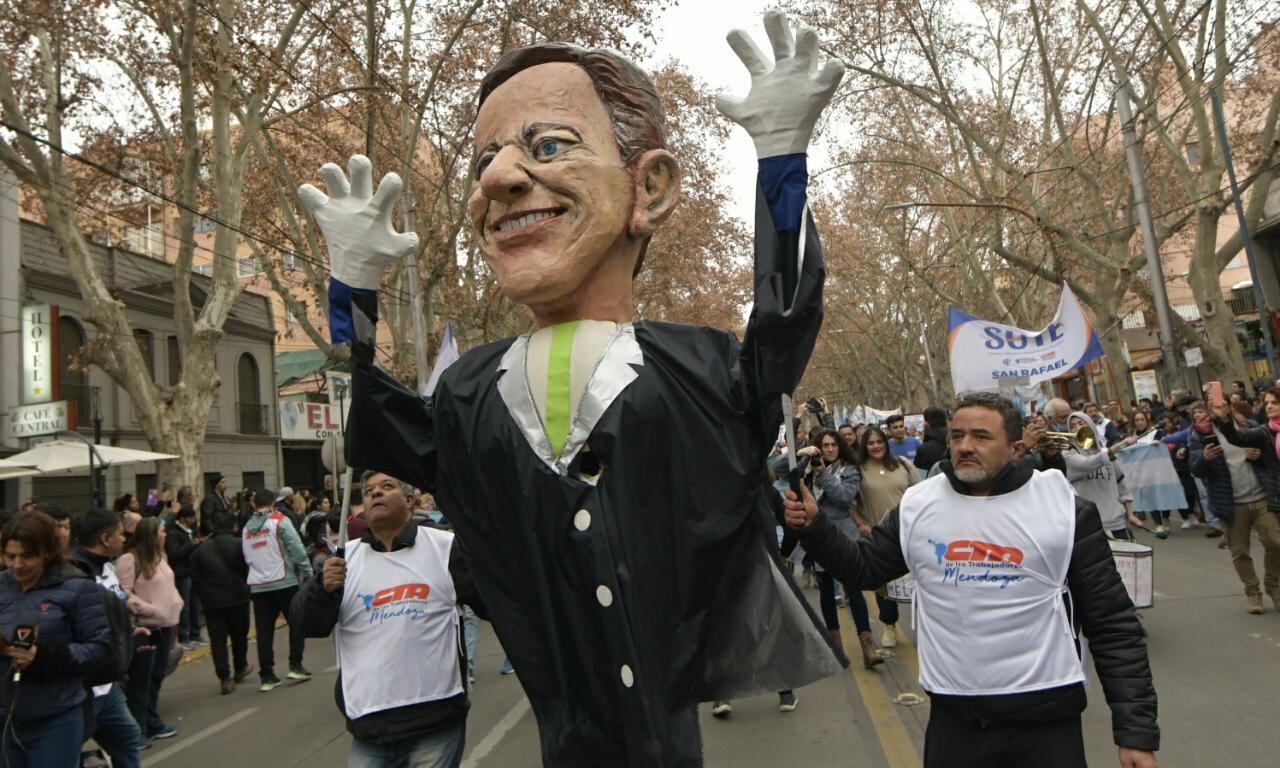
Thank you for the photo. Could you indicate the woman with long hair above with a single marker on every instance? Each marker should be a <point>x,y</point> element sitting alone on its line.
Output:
<point>62,616</point>
<point>148,580</point>
<point>832,473</point>
<point>885,478</point>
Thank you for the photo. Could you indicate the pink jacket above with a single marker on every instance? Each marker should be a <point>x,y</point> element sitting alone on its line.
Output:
<point>155,601</point>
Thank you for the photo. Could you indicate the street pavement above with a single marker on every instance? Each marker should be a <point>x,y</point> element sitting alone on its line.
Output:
<point>1217,672</point>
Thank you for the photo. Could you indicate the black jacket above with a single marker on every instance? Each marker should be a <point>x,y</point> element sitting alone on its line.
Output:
<point>1263,437</point>
<point>219,572</point>
<point>932,450</point>
<point>178,546</point>
<point>317,610</point>
<point>1100,605</point>
<point>211,505</point>
<point>677,526</point>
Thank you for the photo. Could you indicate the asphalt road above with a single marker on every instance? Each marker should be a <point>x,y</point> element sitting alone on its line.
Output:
<point>1217,672</point>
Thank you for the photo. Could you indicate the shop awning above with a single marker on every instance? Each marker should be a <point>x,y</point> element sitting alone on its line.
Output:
<point>1141,361</point>
<point>293,366</point>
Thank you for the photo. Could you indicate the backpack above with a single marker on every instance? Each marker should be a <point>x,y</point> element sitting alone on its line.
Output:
<point>121,627</point>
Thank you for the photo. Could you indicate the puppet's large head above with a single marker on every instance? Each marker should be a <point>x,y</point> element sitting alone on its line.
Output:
<point>572,178</point>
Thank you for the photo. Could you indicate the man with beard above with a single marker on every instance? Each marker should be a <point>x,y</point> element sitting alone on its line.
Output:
<point>998,551</point>
<point>626,579</point>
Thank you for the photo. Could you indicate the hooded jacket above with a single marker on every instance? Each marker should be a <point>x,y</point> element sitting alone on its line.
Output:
<point>74,641</point>
<point>1263,437</point>
<point>297,565</point>
<point>1095,477</point>
<point>933,450</point>
<point>219,571</point>
<point>1100,607</point>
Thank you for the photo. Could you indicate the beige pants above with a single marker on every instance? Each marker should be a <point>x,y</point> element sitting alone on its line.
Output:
<point>1248,517</point>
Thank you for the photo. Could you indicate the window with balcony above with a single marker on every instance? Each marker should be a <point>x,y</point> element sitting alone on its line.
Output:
<point>254,415</point>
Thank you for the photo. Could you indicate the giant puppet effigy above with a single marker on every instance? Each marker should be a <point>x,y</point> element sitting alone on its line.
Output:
<point>606,476</point>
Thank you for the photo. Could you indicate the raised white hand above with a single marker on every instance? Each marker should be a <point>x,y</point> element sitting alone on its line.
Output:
<point>356,222</point>
<point>786,97</point>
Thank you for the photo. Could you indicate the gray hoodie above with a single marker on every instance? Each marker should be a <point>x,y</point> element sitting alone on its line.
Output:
<point>298,566</point>
<point>1094,476</point>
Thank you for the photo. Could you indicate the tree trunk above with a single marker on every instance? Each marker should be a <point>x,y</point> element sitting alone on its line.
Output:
<point>1223,357</point>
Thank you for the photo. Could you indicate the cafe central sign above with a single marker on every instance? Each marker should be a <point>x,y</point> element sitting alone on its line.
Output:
<point>38,419</point>
<point>39,350</point>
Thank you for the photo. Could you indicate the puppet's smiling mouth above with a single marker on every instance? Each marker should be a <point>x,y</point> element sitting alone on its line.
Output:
<point>517,220</point>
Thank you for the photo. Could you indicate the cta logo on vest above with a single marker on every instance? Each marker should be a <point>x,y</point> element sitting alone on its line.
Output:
<point>968,561</point>
<point>403,600</point>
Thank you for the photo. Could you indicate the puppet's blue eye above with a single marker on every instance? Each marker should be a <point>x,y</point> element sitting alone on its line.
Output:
<point>546,149</point>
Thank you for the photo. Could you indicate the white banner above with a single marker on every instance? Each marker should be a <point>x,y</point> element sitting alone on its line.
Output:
<point>984,353</point>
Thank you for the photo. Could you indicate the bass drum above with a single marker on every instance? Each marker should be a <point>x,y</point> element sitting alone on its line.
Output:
<point>901,589</point>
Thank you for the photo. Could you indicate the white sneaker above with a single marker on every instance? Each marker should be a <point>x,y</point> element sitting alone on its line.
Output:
<point>721,709</point>
<point>1190,523</point>
<point>889,639</point>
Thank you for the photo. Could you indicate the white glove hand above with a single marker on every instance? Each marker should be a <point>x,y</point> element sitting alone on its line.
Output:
<point>785,99</point>
<point>356,223</point>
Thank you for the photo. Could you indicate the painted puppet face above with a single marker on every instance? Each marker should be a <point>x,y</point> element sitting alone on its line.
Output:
<point>552,198</point>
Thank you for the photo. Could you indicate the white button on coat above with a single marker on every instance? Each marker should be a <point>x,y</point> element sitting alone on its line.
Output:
<point>628,679</point>
<point>582,520</point>
<point>604,595</point>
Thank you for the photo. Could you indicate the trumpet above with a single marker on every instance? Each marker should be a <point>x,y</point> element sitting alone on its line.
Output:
<point>1082,439</point>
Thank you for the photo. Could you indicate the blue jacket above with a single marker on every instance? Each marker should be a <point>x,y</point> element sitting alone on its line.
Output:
<point>1216,476</point>
<point>74,639</point>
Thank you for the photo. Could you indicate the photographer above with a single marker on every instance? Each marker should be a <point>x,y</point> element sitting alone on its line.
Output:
<point>832,473</point>
<point>53,634</point>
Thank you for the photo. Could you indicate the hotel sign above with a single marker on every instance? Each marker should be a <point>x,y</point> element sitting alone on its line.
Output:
<point>39,348</point>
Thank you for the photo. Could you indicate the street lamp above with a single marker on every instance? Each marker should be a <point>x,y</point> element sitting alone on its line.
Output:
<point>95,465</point>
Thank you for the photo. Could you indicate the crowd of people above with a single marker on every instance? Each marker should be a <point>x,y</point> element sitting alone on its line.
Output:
<point>98,606</point>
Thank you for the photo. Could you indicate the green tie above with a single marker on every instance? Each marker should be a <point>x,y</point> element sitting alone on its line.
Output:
<point>558,367</point>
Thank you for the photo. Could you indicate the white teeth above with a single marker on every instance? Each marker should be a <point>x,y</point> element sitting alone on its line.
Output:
<point>525,220</point>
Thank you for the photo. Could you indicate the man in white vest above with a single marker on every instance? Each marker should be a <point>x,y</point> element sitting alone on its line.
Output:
<point>1009,564</point>
<point>277,564</point>
<point>393,603</point>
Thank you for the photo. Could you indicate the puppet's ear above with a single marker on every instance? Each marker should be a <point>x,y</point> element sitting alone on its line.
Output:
<point>656,178</point>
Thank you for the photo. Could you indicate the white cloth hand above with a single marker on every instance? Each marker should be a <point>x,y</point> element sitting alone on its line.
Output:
<point>786,98</point>
<point>356,222</point>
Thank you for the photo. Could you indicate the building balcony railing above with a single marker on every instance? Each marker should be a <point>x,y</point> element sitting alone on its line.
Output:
<point>83,396</point>
<point>254,418</point>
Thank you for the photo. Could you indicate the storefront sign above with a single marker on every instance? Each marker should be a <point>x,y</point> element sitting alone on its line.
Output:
<point>39,343</point>
<point>309,421</point>
<point>1145,384</point>
<point>38,419</point>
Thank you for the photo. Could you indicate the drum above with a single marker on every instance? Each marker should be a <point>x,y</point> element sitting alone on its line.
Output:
<point>900,590</point>
<point>1134,562</point>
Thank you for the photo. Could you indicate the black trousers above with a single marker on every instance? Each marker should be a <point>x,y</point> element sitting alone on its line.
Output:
<point>225,624</point>
<point>267,607</point>
<point>952,741</point>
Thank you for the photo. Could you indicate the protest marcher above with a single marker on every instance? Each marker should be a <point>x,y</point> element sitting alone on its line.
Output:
<point>179,543</point>
<point>621,602</point>
<point>99,538</point>
<point>901,444</point>
<point>61,523</point>
<point>393,605</point>
<point>56,621</point>
<point>934,447</point>
<point>147,579</point>
<point>285,506</point>
<point>214,503</point>
<point>996,648</point>
<point>277,564</point>
<point>220,574</point>
<point>1237,481</point>
<point>833,474</point>
<point>885,478</point>
<point>1265,437</point>
<point>1093,474</point>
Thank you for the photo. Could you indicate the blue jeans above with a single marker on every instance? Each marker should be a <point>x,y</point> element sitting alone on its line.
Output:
<point>437,750</point>
<point>146,674</point>
<point>50,742</point>
<point>189,622</point>
<point>470,637</point>
<point>116,730</point>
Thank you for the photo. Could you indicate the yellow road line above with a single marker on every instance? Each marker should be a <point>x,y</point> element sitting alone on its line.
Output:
<point>899,749</point>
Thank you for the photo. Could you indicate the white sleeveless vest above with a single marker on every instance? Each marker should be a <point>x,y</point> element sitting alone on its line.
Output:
<point>264,552</point>
<point>990,577</point>
<point>397,636</point>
